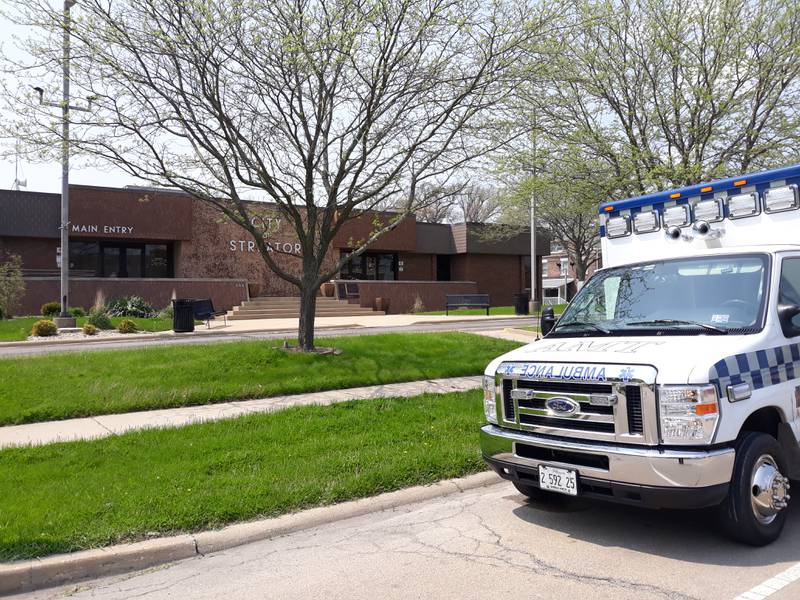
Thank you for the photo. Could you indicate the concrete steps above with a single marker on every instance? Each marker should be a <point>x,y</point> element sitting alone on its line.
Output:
<point>289,308</point>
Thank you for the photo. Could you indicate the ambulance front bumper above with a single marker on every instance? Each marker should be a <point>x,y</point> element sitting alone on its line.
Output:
<point>653,477</point>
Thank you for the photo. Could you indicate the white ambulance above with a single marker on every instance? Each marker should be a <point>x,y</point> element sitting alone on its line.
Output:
<point>673,377</point>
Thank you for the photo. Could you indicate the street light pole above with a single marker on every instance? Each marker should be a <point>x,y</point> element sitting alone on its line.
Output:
<point>534,305</point>
<point>64,319</point>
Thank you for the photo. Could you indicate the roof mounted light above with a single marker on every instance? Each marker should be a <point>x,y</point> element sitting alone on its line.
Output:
<point>743,205</point>
<point>708,210</point>
<point>677,216</point>
<point>617,227</point>
<point>646,221</point>
<point>781,199</point>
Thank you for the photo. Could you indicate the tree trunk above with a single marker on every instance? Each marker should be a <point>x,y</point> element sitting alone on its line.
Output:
<point>308,308</point>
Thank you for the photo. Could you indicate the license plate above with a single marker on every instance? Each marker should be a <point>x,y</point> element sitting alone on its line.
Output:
<point>563,481</point>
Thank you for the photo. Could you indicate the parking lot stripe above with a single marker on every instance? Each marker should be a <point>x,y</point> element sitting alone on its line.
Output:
<point>772,585</point>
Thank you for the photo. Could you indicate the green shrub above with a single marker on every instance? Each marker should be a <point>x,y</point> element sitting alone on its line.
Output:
<point>166,313</point>
<point>126,326</point>
<point>89,329</point>
<point>51,309</point>
<point>77,312</point>
<point>44,328</point>
<point>100,319</point>
<point>130,306</point>
<point>12,285</point>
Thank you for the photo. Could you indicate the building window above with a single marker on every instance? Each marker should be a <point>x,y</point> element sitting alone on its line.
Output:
<point>564,266</point>
<point>100,259</point>
<point>370,266</point>
<point>556,248</point>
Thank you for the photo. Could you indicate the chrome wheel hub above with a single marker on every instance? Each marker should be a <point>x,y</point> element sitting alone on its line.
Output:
<point>770,489</point>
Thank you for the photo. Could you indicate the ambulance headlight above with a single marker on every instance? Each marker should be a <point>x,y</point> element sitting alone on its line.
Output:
<point>645,221</point>
<point>617,227</point>
<point>687,414</point>
<point>742,205</point>
<point>709,211</point>
<point>489,399</point>
<point>781,199</point>
<point>676,216</point>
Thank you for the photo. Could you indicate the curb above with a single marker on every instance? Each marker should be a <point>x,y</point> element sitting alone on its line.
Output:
<point>30,575</point>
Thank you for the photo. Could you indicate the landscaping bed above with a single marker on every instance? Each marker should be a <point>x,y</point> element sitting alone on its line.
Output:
<point>61,386</point>
<point>17,330</point>
<point>72,496</point>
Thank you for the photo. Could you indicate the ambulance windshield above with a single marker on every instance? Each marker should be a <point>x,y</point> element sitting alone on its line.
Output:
<point>679,296</point>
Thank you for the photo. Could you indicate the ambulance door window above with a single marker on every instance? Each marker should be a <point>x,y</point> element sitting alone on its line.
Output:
<point>789,289</point>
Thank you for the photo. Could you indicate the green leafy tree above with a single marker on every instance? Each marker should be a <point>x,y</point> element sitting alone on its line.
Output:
<point>671,92</point>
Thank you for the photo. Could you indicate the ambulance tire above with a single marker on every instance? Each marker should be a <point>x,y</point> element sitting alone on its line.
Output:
<point>739,513</point>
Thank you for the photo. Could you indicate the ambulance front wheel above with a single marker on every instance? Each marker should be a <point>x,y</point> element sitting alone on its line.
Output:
<point>754,512</point>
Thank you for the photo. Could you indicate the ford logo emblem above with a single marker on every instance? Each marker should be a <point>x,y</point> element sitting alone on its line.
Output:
<point>562,406</point>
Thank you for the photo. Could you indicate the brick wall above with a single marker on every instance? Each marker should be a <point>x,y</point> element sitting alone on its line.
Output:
<point>403,294</point>
<point>417,267</point>
<point>86,292</point>
<point>499,276</point>
<point>36,253</point>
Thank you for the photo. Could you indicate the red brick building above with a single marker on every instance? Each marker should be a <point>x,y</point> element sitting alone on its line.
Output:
<point>161,244</point>
<point>559,283</point>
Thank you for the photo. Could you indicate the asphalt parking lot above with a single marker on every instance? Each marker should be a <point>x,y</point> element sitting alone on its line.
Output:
<point>485,543</point>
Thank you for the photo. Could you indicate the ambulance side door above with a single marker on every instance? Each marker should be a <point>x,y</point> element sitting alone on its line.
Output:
<point>789,297</point>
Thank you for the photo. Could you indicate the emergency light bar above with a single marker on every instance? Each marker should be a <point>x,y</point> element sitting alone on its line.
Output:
<point>677,216</point>
<point>709,211</point>
<point>646,221</point>
<point>753,209</point>
<point>781,199</point>
<point>743,205</point>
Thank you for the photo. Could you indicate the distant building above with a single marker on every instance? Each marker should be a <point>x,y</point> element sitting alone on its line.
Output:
<point>559,282</point>
<point>162,244</point>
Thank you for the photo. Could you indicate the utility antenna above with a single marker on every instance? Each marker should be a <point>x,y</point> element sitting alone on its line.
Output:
<point>18,182</point>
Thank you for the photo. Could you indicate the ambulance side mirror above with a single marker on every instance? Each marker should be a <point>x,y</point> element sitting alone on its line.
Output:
<point>548,320</point>
<point>787,314</point>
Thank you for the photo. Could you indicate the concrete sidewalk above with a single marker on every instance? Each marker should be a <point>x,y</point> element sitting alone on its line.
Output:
<point>287,326</point>
<point>37,434</point>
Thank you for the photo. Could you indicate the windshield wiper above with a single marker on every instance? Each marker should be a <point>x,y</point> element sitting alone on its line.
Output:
<point>594,326</point>
<point>706,326</point>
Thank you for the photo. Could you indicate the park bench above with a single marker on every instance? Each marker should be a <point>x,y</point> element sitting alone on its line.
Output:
<point>204,311</point>
<point>466,301</point>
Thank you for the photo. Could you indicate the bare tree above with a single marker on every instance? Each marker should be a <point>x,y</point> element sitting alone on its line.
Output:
<point>478,204</point>
<point>327,108</point>
<point>436,202</point>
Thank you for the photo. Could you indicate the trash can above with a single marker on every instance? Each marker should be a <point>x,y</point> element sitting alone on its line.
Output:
<point>520,304</point>
<point>182,315</point>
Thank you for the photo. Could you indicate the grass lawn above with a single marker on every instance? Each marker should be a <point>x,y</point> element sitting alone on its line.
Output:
<point>60,386</point>
<point>72,496</point>
<point>14,330</point>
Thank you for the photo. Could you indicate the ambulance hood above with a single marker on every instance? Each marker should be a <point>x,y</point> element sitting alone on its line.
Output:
<point>677,359</point>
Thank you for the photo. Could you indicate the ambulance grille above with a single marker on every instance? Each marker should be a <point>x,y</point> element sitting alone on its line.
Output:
<point>633,394</point>
<point>532,411</point>
<point>508,401</point>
